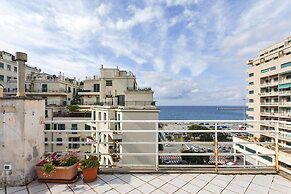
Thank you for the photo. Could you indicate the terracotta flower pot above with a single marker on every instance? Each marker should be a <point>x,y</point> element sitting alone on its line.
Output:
<point>65,173</point>
<point>90,174</point>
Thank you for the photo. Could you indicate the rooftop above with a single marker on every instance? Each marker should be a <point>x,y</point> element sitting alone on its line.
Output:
<point>163,183</point>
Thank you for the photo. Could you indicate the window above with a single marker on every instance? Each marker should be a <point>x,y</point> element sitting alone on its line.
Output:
<point>9,78</point>
<point>269,69</point>
<point>251,100</point>
<point>250,150</point>
<point>251,83</point>
<point>251,74</point>
<point>44,88</point>
<point>46,114</point>
<point>15,69</point>
<point>104,117</point>
<point>96,87</point>
<point>1,77</point>
<point>8,67</point>
<point>61,127</point>
<point>251,91</point>
<point>74,127</point>
<point>1,65</point>
<point>241,146</point>
<point>266,157</point>
<point>250,109</point>
<point>47,126</point>
<point>108,82</point>
<point>69,89</point>
<point>282,65</point>
<point>87,127</point>
<point>94,115</point>
<point>59,140</point>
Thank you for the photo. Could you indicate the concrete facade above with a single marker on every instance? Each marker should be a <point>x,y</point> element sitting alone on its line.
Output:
<point>122,114</point>
<point>21,138</point>
<point>269,89</point>
<point>114,87</point>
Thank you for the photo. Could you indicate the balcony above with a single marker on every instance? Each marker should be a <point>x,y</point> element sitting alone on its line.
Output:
<point>88,93</point>
<point>269,84</point>
<point>269,94</point>
<point>269,103</point>
<point>204,153</point>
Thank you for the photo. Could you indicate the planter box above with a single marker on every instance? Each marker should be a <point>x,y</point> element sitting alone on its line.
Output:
<point>59,174</point>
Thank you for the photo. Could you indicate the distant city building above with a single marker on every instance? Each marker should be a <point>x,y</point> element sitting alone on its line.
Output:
<point>8,69</point>
<point>269,90</point>
<point>114,87</point>
<point>113,95</point>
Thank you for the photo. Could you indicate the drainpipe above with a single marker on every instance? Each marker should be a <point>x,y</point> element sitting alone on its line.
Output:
<point>20,58</point>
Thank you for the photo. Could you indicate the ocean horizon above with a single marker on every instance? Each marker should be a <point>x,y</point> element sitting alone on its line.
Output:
<point>202,112</point>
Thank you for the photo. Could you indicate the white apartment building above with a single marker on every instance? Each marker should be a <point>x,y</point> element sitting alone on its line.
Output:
<point>269,89</point>
<point>8,69</point>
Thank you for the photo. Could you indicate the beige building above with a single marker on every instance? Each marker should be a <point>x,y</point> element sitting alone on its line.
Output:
<point>269,89</point>
<point>114,87</point>
<point>112,150</point>
<point>56,90</point>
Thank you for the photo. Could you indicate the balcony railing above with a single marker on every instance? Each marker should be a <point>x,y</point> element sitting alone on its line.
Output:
<point>272,83</point>
<point>156,145</point>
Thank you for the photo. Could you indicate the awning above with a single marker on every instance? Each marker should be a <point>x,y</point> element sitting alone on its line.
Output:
<point>283,86</point>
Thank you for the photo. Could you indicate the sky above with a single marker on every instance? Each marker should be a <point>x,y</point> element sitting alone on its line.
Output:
<point>190,52</point>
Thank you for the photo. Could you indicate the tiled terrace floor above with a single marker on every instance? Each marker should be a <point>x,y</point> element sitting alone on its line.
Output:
<point>164,183</point>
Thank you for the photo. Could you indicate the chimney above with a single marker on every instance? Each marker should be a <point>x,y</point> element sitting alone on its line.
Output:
<point>20,58</point>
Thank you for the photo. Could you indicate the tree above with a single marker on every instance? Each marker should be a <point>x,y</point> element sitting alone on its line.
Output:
<point>204,136</point>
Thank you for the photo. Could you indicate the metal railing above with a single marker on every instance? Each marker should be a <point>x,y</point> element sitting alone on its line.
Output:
<point>171,144</point>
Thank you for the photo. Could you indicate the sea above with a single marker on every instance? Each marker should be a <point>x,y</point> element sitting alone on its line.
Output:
<point>202,112</point>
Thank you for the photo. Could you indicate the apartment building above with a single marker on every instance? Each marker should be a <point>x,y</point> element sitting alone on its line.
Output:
<point>116,152</point>
<point>269,89</point>
<point>8,69</point>
<point>114,87</point>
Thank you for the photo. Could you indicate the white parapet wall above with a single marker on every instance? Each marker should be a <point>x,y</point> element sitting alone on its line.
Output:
<point>21,138</point>
<point>268,160</point>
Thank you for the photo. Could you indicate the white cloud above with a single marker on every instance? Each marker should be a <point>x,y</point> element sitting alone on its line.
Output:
<point>174,43</point>
<point>140,16</point>
<point>104,9</point>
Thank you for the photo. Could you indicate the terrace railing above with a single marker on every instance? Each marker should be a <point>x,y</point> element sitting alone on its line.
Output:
<point>158,145</point>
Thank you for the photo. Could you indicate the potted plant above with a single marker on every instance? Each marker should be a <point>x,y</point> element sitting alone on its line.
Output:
<point>54,168</point>
<point>90,167</point>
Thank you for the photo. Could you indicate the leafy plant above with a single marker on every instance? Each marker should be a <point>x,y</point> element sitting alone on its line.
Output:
<point>48,167</point>
<point>50,161</point>
<point>73,108</point>
<point>90,162</point>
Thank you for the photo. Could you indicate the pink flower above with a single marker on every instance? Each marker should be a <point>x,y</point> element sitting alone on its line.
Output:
<point>41,163</point>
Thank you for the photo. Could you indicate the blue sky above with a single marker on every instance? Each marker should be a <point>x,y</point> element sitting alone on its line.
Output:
<point>191,52</point>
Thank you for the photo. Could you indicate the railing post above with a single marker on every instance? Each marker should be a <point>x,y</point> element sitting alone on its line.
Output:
<point>277,147</point>
<point>97,140</point>
<point>216,149</point>
<point>157,146</point>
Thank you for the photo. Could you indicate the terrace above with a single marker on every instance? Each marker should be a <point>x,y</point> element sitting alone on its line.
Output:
<point>164,183</point>
<point>167,157</point>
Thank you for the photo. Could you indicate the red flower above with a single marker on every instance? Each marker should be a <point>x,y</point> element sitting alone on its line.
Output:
<point>41,163</point>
